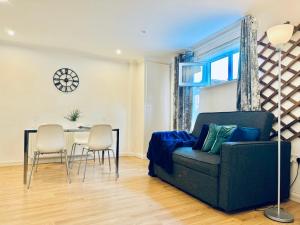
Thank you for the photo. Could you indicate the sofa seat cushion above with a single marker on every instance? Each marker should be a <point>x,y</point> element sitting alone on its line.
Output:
<point>201,161</point>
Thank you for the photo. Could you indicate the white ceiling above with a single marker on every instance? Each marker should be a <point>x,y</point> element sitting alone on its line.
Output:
<point>101,26</point>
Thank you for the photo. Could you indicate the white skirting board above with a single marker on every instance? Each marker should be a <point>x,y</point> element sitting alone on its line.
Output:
<point>295,196</point>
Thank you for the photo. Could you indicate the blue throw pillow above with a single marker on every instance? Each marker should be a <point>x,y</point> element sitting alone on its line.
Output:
<point>244,134</point>
<point>200,141</point>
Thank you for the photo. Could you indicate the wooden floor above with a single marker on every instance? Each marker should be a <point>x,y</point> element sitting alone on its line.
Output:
<point>135,199</point>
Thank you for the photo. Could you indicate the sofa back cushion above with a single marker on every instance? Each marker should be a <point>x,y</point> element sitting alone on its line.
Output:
<point>261,120</point>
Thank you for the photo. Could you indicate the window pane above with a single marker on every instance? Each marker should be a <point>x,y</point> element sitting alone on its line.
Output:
<point>192,73</point>
<point>235,65</point>
<point>219,71</point>
<point>198,77</point>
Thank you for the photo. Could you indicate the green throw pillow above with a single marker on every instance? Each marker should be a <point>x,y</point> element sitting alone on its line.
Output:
<point>211,137</point>
<point>222,135</point>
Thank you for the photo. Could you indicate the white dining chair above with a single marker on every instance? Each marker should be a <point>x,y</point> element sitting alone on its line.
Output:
<point>50,140</point>
<point>80,140</point>
<point>100,140</point>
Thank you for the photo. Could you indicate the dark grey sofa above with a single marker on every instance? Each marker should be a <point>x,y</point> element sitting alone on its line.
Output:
<point>243,176</point>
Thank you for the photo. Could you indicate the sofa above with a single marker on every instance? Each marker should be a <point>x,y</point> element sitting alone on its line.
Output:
<point>243,176</point>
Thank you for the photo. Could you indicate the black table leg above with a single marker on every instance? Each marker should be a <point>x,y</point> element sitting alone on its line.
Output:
<point>117,153</point>
<point>26,139</point>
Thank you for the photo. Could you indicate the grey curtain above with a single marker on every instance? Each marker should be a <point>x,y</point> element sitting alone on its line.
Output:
<point>183,96</point>
<point>248,92</point>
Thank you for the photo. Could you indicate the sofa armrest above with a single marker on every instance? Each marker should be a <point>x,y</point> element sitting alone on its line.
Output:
<point>248,174</point>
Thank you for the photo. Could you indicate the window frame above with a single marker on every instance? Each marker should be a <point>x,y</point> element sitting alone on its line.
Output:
<point>204,64</point>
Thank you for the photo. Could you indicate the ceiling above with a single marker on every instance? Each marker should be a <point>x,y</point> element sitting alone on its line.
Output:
<point>100,27</point>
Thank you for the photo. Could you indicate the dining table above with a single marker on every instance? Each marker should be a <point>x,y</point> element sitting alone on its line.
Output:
<point>27,133</point>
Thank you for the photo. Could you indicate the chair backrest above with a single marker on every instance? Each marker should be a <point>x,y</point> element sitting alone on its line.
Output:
<point>100,137</point>
<point>258,119</point>
<point>50,138</point>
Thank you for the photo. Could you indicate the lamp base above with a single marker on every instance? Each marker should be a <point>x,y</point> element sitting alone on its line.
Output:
<point>282,217</point>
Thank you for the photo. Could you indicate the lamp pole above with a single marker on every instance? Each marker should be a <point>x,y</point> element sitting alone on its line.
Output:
<point>279,130</point>
<point>279,35</point>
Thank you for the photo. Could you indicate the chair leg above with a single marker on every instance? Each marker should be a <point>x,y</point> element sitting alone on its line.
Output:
<point>71,156</point>
<point>94,157</point>
<point>86,158</point>
<point>80,161</point>
<point>67,166</point>
<point>61,156</point>
<point>102,157</point>
<point>33,163</point>
<point>37,162</point>
<point>99,157</point>
<point>109,160</point>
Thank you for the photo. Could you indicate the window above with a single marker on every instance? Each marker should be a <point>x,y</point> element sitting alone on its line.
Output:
<point>192,74</point>
<point>217,70</point>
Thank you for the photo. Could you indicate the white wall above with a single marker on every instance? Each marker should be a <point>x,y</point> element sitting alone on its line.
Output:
<point>151,108</point>
<point>128,96</point>
<point>281,11</point>
<point>28,97</point>
<point>137,108</point>
<point>219,98</point>
<point>157,99</point>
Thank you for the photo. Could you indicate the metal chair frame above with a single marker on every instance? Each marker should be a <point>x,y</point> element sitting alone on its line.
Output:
<point>36,161</point>
<point>96,150</point>
<point>72,155</point>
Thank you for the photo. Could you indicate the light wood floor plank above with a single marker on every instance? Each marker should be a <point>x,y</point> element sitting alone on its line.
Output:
<point>135,199</point>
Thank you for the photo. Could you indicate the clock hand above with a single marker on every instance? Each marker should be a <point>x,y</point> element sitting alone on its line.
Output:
<point>58,79</point>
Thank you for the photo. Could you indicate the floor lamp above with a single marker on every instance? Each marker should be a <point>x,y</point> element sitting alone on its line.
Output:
<point>278,36</point>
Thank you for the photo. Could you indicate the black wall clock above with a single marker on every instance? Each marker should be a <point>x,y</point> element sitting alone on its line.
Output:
<point>65,80</point>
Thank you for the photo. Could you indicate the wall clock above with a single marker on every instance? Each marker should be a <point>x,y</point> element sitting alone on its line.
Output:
<point>65,80</point>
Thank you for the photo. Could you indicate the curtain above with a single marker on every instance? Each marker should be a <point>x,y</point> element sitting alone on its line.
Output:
<point>183,96</point>
<point>248,93</point>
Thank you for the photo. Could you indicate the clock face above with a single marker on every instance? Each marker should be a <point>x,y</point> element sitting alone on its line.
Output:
<point>65,80</point>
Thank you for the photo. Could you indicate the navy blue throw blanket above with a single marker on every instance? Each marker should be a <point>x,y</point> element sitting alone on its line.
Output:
<point>163,144</point>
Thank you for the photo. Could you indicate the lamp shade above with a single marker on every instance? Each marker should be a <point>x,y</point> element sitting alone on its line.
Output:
<point>280,34</point>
